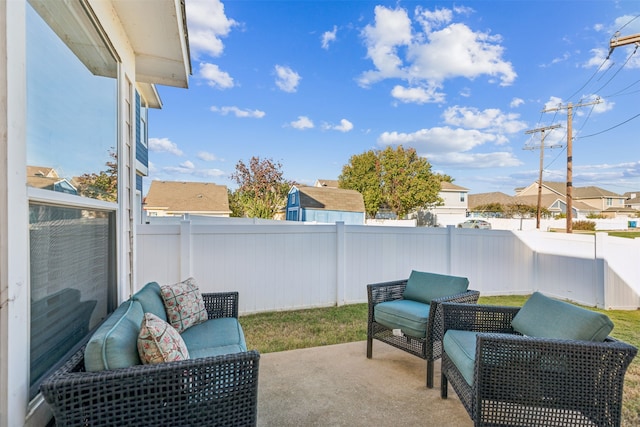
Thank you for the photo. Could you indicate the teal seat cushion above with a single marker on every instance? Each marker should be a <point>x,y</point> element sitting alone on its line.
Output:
<point>460,346</point>
<point>424,287</point>
<point>407,315</point>
<point>544,317</point>
<point>151,300</point>
<point>114,344</point>
<point>215,337</point>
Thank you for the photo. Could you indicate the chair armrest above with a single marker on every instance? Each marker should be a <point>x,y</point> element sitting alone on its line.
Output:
<point>436,323</point>
<point>221,304</point>
<point>189,392</point>
<point>542,371</point>
<point>478,318</point>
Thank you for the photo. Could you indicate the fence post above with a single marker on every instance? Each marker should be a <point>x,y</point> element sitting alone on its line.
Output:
<point>185,249</point>
<point>340,262</point>
<point>601,284</point>
<point>449,249</point>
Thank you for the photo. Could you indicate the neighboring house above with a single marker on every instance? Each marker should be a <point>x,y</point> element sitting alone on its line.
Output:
<point>598,199</point>
<point>452,210</point>
<point>632,200</point>
<point>77,80</point>
<point>585,200</point>
<point>47,179</point>
<point>174,198</point>
<point>325,205</point>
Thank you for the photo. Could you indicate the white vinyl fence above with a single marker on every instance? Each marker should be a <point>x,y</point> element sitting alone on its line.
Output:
<point>292,265</point>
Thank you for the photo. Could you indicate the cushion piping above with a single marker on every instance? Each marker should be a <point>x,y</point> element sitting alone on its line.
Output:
<point>106,336</point>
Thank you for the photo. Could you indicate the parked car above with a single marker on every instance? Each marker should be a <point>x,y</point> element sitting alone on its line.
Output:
<point>475,223</point>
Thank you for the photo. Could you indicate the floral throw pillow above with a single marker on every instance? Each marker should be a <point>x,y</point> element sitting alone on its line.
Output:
<point>158,342</point>
<point>183,304</point>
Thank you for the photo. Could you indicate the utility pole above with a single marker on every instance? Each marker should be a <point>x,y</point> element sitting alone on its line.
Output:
<point>569,201</point>
<point>541,130</point>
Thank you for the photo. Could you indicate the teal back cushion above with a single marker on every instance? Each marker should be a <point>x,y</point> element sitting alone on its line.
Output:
<point>544,317</point>
<point>424,287</point>
<point>151,300</point>
<point>114,344</point>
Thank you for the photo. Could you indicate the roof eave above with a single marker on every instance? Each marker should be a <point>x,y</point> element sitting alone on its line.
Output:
<point>159,38</point>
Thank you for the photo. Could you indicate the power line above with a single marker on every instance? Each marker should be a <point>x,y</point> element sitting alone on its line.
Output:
<point>611,128</point>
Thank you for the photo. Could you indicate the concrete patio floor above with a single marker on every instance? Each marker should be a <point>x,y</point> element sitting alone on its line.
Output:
<point>338,386</point>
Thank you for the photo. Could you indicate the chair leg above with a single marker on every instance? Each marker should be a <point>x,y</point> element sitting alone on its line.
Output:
<point>429,373</point>
<point>443,386</point>
<point>369,347</point>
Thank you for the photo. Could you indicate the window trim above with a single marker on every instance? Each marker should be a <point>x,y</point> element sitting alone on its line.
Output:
<point>71,200</point>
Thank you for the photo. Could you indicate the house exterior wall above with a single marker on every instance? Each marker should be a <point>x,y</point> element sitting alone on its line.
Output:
<point>15,407</point>
<point>454,200</point>
<point>14,265</point>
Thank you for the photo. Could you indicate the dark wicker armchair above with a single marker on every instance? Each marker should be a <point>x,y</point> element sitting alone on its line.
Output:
<point>527,381</point>
<point>210,391</point>
<point>429,347</point>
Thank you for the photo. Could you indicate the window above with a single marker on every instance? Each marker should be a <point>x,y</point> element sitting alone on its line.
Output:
<point>71,116</point>
<point>609,201</point>
<point>462,195</point>
<point>72,280</point>
<point>71,147</point>
<point>293,198</point>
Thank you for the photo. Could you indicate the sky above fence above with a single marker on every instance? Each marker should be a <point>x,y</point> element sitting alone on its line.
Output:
<point>311,83</point>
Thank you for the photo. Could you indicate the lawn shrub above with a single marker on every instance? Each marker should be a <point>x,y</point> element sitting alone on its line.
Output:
<point>584,225</point>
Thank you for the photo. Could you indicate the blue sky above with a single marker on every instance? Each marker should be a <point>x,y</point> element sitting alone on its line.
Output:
<point>311,83</point>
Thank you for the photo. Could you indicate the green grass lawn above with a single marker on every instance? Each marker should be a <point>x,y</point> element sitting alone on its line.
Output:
<point>290,330</point>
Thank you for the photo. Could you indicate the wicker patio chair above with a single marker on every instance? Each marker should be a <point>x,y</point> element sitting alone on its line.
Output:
<point>428,347</point>
<point>526,381</point>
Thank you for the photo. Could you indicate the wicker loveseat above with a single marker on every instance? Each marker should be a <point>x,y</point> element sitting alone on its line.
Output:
<point>547,363</point>
<point>105,383</point>
<point>406,313</point>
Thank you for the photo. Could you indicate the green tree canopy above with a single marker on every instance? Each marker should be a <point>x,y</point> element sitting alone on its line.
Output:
<point>102,185</point>
<point>262,189</point>
<point>398,179</point>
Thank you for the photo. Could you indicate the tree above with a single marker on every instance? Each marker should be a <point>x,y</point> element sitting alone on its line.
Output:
<point>261,191</point>
<point>361,174</point>
<point>102,185</point>
<point>398,179</point>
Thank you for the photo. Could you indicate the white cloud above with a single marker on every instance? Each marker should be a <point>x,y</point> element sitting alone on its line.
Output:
<point>491,119</point>
<point>164,145</point>
<point>392,29</point>
<point>207,157</point>
<point>328,37</point>
<point>238,112</point>
<point>598,56</point>
<point>215,77</point>
<point>498,159</point>
<point>302,123</point>
<point>442,50</point>
<point>287,79</point>
<point>344,126</point>
<point>207,24</point>
<point>417,95</point>
<point>438,139</point>
<point>516,102</point>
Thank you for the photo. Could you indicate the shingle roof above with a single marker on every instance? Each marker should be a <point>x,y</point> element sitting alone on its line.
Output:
<point>480,199</point>
<point>329,198</point>
<point>327,183</point>
<point>177,196</point>
<point>448,186</point>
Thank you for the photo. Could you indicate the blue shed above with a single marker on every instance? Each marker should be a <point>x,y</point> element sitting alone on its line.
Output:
<point>325,205</point>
